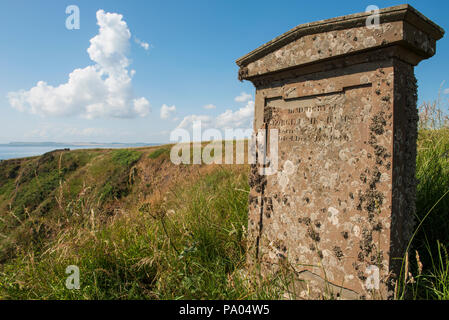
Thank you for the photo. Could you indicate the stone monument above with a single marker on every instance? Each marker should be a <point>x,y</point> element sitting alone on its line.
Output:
<point>342,95</point>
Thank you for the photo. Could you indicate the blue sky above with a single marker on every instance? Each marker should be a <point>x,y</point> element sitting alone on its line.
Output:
<point>189,64</point>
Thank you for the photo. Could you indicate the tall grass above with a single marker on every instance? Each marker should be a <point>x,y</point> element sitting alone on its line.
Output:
<point>427,274</point>
<point>187,244</point>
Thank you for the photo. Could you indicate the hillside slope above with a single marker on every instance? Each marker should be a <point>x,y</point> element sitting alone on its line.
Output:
<point>136,225</point>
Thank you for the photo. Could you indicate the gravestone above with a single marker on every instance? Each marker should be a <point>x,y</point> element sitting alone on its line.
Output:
<point>342,95</point>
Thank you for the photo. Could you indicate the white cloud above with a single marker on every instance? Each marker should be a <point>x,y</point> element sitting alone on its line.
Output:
<point>446,91</point>
<point>240,119</point>
<point>141,43</point>
<point>189,121</point>
<point>209,107</point>
<point>167,112</point>
<point>100,90</point>
<point>243,97</point>
<point>236,119</point>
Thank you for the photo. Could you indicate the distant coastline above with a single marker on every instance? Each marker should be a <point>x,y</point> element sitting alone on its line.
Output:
<point>15,150</point>
<point>74,144</point>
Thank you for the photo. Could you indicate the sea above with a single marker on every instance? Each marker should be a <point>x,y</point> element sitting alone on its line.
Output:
<point>13,151</point>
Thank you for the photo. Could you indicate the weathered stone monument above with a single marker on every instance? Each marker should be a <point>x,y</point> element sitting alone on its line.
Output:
<point>342,94</point>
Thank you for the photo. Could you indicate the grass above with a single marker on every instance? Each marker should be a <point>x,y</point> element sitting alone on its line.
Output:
<point>125,157</point>
<point>187,244</point>
<point>433,176</point>
<point>426,276</point>
<point>156,154</point>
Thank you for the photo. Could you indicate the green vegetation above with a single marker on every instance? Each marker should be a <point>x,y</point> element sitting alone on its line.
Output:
<point>188,243</point>
<point>427,276</point>
<point>36,194</point>
<point>156,154</point>
<point>433,176</point>
<point>125,157</point>
<point>426,272</point>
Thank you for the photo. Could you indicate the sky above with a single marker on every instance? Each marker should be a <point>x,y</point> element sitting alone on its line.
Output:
<point>136,70</point>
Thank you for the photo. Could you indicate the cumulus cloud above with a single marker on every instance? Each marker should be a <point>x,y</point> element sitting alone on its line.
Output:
<point>209,107</point>
<point>167,112</point>
<point>189,121</point>
<point>243,97</point>
<point>236,119</point>
<point>239,119</point>
<point>141,43</point>
<point>100,90</point>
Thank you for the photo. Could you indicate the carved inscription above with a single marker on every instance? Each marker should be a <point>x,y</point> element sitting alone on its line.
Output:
<point>311,120</point>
